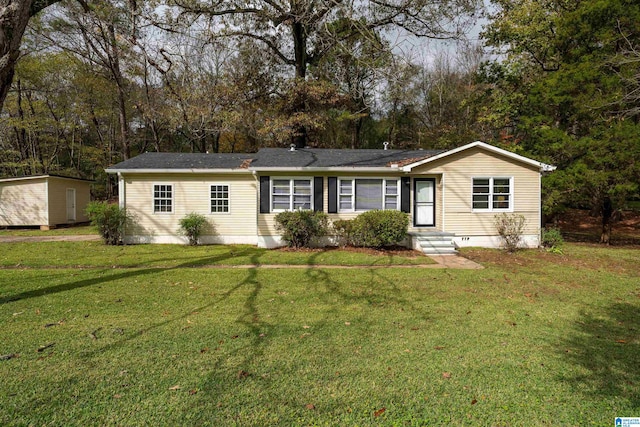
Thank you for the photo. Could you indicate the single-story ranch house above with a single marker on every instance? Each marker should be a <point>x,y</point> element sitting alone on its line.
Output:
<point>43,200</point>
<point>451,196</point>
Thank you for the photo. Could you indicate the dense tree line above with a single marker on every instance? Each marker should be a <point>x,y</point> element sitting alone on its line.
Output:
<point>98,82</point>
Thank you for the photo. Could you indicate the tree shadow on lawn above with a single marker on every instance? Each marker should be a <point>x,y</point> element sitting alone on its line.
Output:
<point>606,344</point>
<point>227,378</point>
<point>120,274</point>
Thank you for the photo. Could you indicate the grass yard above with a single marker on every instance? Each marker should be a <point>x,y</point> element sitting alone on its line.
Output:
<point>62,231</point>
<point>96,254</point>
<point>532,339</point>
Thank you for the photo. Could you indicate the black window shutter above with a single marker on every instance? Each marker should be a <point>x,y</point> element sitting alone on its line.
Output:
<point>405,194</point>
<point>318,184</point>
<point>264,194</point>
<point>332,182</point>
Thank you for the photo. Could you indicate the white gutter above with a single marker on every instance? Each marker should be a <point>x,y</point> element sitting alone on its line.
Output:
<point>130,171</point>
<point>376,169</point>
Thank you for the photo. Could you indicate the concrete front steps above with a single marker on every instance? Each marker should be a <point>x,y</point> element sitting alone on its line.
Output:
<point>434,243</point>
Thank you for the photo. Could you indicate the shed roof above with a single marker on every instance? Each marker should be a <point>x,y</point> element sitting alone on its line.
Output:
<point>32,177</point>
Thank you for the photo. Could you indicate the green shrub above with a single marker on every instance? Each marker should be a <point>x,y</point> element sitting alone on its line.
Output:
<point>109,219</point>
<point>552,239</point>
<point>192,226</point>
<point>379,228</point>
<point>301,228</point>
<point>510,228</point>
<point>343,229</point>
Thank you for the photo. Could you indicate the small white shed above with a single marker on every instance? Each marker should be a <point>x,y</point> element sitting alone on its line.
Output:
<point>43,200</point>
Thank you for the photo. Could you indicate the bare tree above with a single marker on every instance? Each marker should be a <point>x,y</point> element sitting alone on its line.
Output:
<point>300,32</point>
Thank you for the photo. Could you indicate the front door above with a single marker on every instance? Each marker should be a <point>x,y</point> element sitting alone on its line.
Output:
<point>424,202</point>
<point>71,204</point>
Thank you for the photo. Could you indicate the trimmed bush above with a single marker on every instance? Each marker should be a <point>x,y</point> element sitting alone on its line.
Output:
<point>510,228</point>
<point>109,219</point>
<point>379,228</point>
<point>552,239</point>
<point>192,226</point>
<point>301,228</point>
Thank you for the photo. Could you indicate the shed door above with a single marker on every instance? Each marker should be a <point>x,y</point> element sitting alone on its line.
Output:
<point>424,202</point>
<point>71,204</point>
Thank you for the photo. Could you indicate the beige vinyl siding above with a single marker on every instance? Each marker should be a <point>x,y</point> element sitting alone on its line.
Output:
<point>24,202</point>
<point>58,199</point>
<point>191,193</point>
<point>458,170</point>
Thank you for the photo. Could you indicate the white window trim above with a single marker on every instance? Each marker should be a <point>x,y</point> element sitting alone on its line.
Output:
<point>290,179</point>
<point>211,184</point>
<point>491,194</point>
<point>384,192</point>
<point>153,198</point>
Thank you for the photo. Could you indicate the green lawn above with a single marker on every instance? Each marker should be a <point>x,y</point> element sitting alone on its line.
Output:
<point>96,254</point>
<point>532,339</point>
<point>63,231</point>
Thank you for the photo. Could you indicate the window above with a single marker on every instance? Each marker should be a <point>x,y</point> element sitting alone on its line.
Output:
<point>291,194</point>
<point>163,198</point>
<point>220,198</point>
<point>368,193</point>
<point>492,194</point>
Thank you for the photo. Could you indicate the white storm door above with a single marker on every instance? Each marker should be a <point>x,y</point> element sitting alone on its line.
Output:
<point>424,202</point>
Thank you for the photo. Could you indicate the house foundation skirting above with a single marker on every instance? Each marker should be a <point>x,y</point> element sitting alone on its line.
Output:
<point>461,241</point>
<point>182,240</point>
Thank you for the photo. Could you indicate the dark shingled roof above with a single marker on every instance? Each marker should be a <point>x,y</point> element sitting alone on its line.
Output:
<point>277,158</point>
<point>185,161</point>
<point>328,157</point>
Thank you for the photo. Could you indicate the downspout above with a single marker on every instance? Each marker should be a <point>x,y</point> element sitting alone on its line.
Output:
<point>444,229</point>
<point>122,201</point>
<point>121,192</point>
<point>257,209</point>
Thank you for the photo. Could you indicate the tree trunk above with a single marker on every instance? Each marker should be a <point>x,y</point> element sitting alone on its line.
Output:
<point>299,138</point>
<point>607,217</point>
<point>14,17</point>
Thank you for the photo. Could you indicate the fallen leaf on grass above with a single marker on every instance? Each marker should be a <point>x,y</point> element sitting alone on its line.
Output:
<point>93,335</point>
<point>310,406</point>
<point>474,401</point>
<point>621,341</point>
<point>306,326</point>
<point>9,356</point>
<point>204,350</point>
<point>192,392</point>
<point>379,412</point>
<point>243,374</point>
<point>175,387</point>
<point>347,323</point>
<point>438,347</point>
<point>18,313</point>
<point>44,347</point>
<point>446,375</point>
<point>117,396</point>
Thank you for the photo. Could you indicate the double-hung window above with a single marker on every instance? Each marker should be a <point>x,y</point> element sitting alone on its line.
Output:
<point>163,198</point>
<point>291,194</point>
<point>219,198</point>
<point>492,194</point>
<point>363,194</point>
